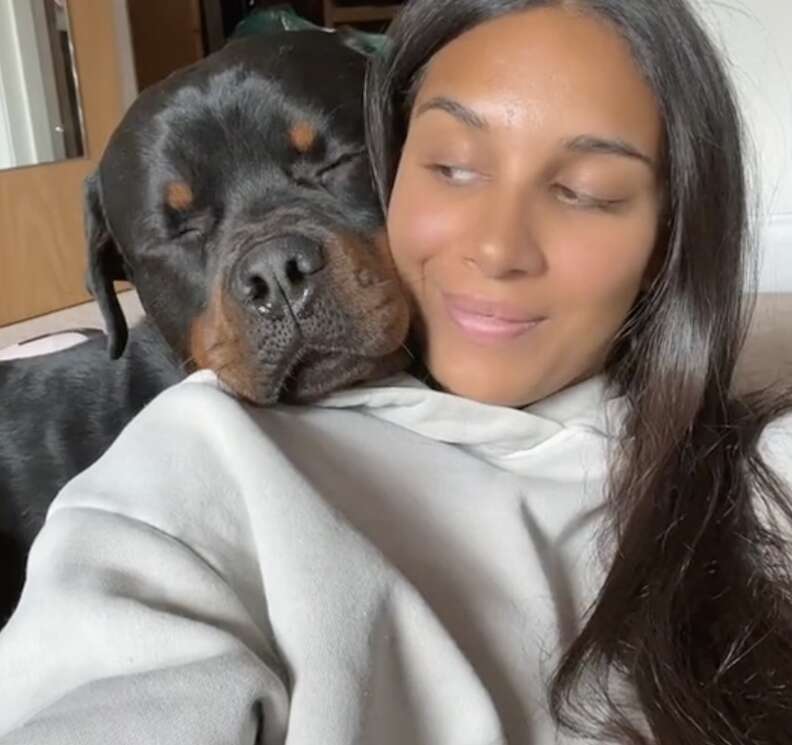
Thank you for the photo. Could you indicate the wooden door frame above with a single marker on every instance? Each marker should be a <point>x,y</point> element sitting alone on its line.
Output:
<point>42,262</point>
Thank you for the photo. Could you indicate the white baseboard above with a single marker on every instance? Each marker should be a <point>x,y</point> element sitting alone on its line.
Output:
<point>776,258</point>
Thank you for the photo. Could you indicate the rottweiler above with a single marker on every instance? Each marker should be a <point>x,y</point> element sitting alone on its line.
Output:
<point>236,197</point>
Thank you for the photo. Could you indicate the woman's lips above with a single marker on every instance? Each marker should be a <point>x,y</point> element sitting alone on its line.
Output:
<point>486,321</point>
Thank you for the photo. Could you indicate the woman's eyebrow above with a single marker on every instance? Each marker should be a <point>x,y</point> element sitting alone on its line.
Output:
<point>607,146</point>
<point>458,110</point>
<point>581,144</point>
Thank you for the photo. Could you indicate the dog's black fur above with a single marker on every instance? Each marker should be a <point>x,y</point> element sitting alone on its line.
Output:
<point>236,197</point>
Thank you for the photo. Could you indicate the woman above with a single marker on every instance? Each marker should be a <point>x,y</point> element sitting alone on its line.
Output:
<point>572,504</point>
<point>695,610</point>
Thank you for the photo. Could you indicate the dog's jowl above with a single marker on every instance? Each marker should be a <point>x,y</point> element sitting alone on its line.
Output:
<point>236,197</point>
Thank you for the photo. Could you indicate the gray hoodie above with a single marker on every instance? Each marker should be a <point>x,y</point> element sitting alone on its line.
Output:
<point>391,566</point>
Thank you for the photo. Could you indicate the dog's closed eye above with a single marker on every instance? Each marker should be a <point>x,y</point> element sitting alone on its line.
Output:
<point>337,173</point>
<point>312,175</point>
<point>340,162</point>
<point>188,227</point>
<point>189,232</point>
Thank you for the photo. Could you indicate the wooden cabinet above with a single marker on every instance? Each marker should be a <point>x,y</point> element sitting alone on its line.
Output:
<point>165,36</point>
<point>341,12</point>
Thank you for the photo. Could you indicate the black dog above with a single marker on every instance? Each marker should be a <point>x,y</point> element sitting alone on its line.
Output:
<point>236,197</point>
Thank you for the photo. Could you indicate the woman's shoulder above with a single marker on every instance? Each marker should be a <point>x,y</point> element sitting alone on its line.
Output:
<point>188,466</point>
<point>201,411</point>
<point>200,391</point>
<point>175,433</point>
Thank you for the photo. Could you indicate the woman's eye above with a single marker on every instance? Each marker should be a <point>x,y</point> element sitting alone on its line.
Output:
<point>454,174</point>
<point>578,199</point>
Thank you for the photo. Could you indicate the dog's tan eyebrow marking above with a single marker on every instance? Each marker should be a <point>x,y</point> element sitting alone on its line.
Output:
<point>303,136</point>
<point>179,195</point>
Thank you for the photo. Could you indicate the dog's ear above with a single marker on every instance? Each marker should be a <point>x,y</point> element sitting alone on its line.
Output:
<point>105,264</point>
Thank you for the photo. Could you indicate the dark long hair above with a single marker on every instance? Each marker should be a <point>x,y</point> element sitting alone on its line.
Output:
<point>696,610</point>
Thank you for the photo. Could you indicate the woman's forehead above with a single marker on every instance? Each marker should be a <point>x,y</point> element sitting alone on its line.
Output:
<point>550,68</point>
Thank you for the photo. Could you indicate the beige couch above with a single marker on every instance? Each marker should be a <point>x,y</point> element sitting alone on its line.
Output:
<point>767,356</point>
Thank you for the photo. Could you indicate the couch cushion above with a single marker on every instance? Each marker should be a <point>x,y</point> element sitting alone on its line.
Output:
<point>767,356</point>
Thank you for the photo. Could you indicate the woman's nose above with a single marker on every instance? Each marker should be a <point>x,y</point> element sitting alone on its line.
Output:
<point>505,242</point>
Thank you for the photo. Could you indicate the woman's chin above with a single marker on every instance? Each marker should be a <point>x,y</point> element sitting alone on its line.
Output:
<point>483,384</point>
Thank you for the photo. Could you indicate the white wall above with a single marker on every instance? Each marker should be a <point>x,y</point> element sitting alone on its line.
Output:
<point>756,36</point>
<point>129,86</point>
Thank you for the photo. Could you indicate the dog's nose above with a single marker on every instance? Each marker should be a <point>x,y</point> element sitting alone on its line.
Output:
<point>278,273</point>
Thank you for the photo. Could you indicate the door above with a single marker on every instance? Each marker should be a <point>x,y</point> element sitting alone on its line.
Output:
<point>42,247</point>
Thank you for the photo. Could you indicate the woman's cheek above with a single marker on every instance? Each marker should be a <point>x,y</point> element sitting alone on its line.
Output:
<point>606,264</point>
<point>421,224</point>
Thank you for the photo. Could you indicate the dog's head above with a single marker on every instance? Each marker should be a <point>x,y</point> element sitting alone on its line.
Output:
<point>236,197</point>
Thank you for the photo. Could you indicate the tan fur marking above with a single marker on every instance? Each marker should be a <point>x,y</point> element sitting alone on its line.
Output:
<point>216,344</point>
<point>179,195</point>
<point>302,136</point>
<point>367,286</point>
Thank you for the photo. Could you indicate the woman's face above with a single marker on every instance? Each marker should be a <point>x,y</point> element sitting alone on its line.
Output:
<point>526,203</point>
